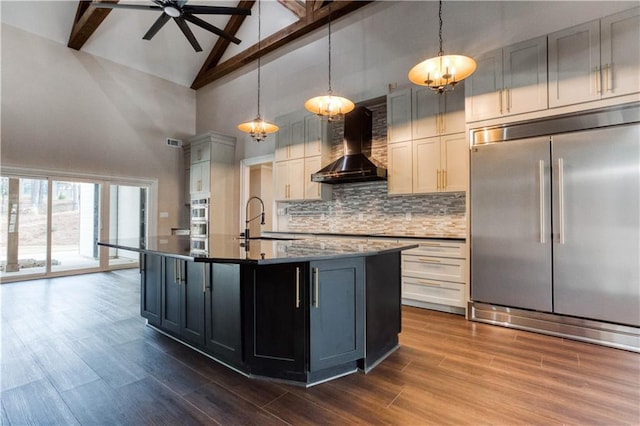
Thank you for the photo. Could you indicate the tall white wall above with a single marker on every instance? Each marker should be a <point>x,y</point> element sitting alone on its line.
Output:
<point>69,111</point>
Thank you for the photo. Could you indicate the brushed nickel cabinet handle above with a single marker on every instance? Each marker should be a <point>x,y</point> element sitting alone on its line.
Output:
<point>541,189</point>
<point>204,278</point>
<point>316,303</point>
<point>561,199</point>
<point>297,288</point>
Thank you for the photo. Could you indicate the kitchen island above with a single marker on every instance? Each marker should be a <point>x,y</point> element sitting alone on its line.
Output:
<point>299,310</point>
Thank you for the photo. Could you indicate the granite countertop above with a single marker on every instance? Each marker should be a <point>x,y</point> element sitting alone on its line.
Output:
<point>230,248</point>
<point>364,235</point>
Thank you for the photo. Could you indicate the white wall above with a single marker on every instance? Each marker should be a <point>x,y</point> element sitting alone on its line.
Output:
<point>69,111</point>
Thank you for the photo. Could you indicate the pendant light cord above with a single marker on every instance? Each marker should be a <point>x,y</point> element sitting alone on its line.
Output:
<point>440,31</point>
<point>259,55</point>
<point>330,92</point>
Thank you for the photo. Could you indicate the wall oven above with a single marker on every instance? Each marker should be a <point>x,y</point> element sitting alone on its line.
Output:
<point>200,210</point>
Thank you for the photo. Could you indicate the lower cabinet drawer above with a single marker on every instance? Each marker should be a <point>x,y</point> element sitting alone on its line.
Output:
<point>440,292</point>
<point>434,268</point>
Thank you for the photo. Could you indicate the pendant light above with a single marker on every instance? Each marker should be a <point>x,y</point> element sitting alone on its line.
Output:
<point>443,72</point>
<point>258,128</point>
<point>330,107</point>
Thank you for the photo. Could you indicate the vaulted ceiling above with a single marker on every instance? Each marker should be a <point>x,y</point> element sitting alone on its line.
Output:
<point>307,17</point>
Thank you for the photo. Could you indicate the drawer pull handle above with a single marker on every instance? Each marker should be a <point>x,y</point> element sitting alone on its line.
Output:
<point>297,288</point>
<point>424,259</point>
<point>429,283</point>
<point>315,299</point>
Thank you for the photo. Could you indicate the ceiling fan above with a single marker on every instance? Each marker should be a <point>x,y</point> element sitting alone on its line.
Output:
<point>181,12</point>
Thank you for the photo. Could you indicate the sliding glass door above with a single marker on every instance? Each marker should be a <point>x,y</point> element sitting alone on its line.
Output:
<point>49,226</point>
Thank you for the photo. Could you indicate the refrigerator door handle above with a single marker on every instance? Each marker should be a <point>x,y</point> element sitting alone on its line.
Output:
<point>541,183</point>
<point>561,200</point>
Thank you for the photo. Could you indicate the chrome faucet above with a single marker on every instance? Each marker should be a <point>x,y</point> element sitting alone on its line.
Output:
<point>248,221</point>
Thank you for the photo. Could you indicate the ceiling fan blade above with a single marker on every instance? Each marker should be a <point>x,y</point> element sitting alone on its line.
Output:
<point>207,26</point>
<point>216,10</point>
<point>188,34</point>
<point>162,19</point>
<point>125,6</point>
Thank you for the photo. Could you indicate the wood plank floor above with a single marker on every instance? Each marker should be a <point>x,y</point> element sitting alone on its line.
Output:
<point>75,351</point>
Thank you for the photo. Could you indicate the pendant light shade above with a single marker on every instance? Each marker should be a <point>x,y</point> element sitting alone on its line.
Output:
<point>442,72</point>
<point>329,107</point>
<point>258,128</point>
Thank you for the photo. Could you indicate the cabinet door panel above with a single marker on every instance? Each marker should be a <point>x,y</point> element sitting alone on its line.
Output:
<point>336,319</point>
<point>399,116</point>
<point>223,313</point>
<point>277,334</point>
<point>192,303</point>
<point>312,190</point>
<point>313,136</point>
<point>281,181</point>
<point>151,291</point>
<point>400,168</point>
<point>455,162</point>
<point>283,140</point>
<point>525,76</point>
<point>620,53</point>
<point>483,89</point>
<point>171,286</point>
<point>574,59</point>
<point>452,108</point>
<point>297,181</point>
<point>297,139</point>
<point>426,113</point>
<point>426,165</point>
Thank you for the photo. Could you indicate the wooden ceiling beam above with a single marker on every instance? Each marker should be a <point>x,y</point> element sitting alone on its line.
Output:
<point>302,27</point>
<point>86,22</point>
<point>235,21</point>
<point>296,7</point>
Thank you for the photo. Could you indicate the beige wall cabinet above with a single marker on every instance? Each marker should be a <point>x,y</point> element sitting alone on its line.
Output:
<point>436,164</point>
<point>211,176</point>
<point>595,60</point>
<point>508,81</point>
<point>290,139</point>
<point>399,116</point>
<point>296,161</point>
<point>434,275</point>
<point>434,115</point>
<point>289,184</point>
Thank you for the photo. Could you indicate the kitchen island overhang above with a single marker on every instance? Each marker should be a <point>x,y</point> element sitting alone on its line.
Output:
<point>304,310</point>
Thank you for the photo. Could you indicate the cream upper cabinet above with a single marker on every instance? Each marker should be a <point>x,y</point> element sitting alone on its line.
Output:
<point>313,136</point>
<point>314,190</point>
<point>288,178</point>
<point>290,138</point>
<point>435,164</point>
<point>508,81</point>
<point>434,114</point>
<point>399,168</point>
<point>574,65</point>
<point>595,60</point>
<point>399,115</point>
<point>426,165</point>
<point>199,177</point>
<point>620,55</point>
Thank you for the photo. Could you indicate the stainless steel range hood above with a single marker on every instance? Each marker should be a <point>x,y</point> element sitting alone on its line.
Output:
<point>353,166</point>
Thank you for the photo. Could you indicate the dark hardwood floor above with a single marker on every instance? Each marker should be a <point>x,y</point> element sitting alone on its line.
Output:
<point>75,351</point>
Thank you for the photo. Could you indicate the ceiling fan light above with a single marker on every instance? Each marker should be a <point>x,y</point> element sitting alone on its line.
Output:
<point>172,11</point>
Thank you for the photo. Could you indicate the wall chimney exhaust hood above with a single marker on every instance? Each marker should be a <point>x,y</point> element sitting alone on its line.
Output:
<point>353,166</point>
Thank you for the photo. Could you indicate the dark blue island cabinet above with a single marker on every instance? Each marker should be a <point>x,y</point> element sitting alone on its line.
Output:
<point>305,322</point>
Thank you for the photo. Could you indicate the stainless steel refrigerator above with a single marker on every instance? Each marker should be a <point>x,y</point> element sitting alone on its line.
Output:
<point>555,219</point>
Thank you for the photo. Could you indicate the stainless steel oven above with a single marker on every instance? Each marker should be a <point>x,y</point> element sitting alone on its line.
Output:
<point>200,210</point>
<point>199,245</point>
<point>199,229</point>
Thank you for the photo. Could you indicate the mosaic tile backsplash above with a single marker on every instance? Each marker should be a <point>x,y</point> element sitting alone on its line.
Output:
<point>367,208</point>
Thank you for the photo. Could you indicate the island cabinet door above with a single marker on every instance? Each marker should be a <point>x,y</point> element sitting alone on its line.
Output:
<point>223,325</point>
<point>276,328</point>
<point>171,285</point>
<point>151,288</point>
<point>192,288</point>
<point>336,315</point>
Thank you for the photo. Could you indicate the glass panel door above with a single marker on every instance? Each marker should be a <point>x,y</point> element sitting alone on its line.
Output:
<point>75,225</point>
<point>127,220</point>
<point>23,226</point>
